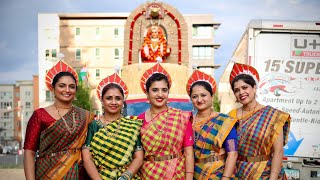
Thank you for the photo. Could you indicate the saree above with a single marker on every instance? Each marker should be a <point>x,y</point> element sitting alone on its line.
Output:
<point>59,149</point>
<point>164,135</point>
<point>211,137</point>
<point>256,137</point>
<point>112,146</point>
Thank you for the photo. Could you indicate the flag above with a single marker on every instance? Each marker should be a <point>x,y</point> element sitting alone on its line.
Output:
<point>83,73</point>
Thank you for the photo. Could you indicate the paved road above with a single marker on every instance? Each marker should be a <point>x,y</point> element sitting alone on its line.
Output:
<point>12,174</point>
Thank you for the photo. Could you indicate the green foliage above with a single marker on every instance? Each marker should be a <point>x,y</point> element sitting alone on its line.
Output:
<point>216,103</point>
<point>83,97</point>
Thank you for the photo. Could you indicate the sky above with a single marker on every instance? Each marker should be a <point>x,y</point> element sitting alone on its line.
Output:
<point>19,23</point>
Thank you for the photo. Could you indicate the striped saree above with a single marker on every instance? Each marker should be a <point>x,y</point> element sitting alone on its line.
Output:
<point>60,150</point>
<point>210,139</point>
<point>164,135</point>
<point>112,146</point>
<point>256,137</point>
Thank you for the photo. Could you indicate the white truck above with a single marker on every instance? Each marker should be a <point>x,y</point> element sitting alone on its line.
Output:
<point>287,57</point>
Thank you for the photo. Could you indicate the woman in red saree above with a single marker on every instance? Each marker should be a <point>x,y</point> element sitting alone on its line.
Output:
<point>263,130</point>
<point>166,133</point>
<point>57,131</point>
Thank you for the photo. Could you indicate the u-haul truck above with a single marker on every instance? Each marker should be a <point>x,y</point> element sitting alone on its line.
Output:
<point>287,57</point>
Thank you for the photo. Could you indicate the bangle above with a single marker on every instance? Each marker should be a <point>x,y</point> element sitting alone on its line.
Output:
<point>226,176</point>
<point>189,172</point>
<point>275,172</point>
<point>128,174</point>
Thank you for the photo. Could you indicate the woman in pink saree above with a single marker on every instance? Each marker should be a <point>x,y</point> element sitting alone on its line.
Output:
<point>166,133</point>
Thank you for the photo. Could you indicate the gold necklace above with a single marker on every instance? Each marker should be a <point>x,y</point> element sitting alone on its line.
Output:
<point>62,107</point>
<point>106,126</point>
<point>197,135</point>
<point>163,128</point>
<point>156,113</point>
<point>74,123</point>
<point>254,108</point>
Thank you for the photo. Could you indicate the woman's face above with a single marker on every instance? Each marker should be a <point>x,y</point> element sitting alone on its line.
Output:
<point>112,101</point>
<point>65,89</point>
<point>201,98</point>
<point>158,94</point>
<point>244,92</point>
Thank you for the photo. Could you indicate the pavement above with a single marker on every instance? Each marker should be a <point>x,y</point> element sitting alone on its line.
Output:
<point>12,174</point>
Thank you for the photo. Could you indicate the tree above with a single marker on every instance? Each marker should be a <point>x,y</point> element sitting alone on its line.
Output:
<point>216,103</point>
<point>83,97</point>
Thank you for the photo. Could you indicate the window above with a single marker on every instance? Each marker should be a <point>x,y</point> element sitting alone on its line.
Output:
<point>202,52</point>
<point>97,31</point>
<point>118,53</point>
<point>78,54</point>
<point>47,52</point>
<point>48,96</point>
<point>118,32</point>
<point>54,53</point>
<point>6,115</point>
<point>27,93</point>
<point>28,105</point>
<point>77,31</point>
<point>97,73</point>
<point>97,53</point>
<point>202,31</point>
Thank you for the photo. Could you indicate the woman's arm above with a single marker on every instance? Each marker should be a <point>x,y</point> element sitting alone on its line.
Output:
<point>89,165</point>
<point>230,164</point>
<point>276,163</point>
<point>188,151</point>
<point>136,162</point>
<point>29,164</point>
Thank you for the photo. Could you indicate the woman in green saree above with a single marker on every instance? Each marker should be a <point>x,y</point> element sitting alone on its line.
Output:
<point>113,149</point>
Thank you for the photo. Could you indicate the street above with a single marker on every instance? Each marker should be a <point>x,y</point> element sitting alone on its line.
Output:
<point>11,174</point>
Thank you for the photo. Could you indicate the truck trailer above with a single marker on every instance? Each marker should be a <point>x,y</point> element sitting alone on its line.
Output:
<point>287,57</point>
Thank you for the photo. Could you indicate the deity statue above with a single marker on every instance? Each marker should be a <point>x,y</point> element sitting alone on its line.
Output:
<point>155,47</point>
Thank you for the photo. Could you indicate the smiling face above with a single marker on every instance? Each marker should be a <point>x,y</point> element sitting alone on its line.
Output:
<point>112,101</point>
<point>201,98</point>
<point>65,89</point>
<point>244,92</point>
<point>158,94</point>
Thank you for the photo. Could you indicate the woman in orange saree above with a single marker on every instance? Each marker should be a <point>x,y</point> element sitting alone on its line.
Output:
<point>57,131</point>
<point>263,130</point>
<point>166,133</point>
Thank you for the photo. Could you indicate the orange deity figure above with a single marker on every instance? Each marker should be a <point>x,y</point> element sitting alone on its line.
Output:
<point>155,47</point>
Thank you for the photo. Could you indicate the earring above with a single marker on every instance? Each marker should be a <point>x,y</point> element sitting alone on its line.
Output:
<point>75,98</point>
<point>194,108</point>
<point>122,110</point>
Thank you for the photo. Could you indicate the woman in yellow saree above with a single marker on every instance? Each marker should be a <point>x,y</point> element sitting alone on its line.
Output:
<point>263,130</point>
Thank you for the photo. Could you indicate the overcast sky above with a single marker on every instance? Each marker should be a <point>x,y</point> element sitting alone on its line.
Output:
<point>18,18</point>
